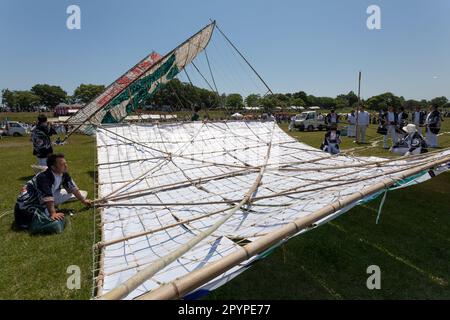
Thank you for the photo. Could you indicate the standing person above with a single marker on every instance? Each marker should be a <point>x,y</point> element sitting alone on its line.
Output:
<point>412,143</point>
<point>382,123</point>
<point>332,140</point>
<point>36,205</point>
<point>40,136</point>
<point>391,121</point>
<point>332,118</point>
<point>433,125</point>
<point>418,118</point>
<point>196,116</point>
<point>362,124</point>
<point>402,122</point>
<point>292,123</point>
<point>351,124</point>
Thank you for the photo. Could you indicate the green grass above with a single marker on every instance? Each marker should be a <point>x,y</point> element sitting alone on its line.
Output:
<point>27,117</point>
<point>34,267</point>
<point>411,244</point>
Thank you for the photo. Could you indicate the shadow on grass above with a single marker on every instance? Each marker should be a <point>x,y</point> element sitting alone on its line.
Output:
<point>16,228</point>
<point>25,178</point>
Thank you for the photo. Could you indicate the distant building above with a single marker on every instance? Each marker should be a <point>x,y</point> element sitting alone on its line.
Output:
<point>64,109</point>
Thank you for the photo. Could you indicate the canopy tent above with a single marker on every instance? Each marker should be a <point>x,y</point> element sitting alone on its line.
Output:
<point>237,116</point>
<point>185,207</point>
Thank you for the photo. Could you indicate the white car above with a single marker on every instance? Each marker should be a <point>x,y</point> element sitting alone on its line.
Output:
<point>16,129</point>
<point>309,120</point>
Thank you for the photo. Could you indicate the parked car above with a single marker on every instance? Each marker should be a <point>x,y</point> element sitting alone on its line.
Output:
<point>309,120</point>
<point>16,129</point>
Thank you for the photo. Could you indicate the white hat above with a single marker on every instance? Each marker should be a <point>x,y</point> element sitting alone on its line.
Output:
<point>410,128</point>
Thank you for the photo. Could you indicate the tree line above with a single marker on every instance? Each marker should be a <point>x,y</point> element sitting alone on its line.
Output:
<point>180,96</point>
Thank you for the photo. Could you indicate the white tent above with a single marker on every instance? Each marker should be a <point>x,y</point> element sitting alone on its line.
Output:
<point>237,116</point>
<point>297,108</point>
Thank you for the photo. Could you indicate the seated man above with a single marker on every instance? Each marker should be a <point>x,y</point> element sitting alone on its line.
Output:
<point>412,143</point>
<point>35,207</point>
<point>332,140</point>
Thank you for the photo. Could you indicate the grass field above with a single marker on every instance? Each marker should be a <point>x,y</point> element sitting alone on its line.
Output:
<point>411,245</point>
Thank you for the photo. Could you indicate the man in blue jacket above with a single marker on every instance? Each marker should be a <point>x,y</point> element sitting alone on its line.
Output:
<point>36,206</point>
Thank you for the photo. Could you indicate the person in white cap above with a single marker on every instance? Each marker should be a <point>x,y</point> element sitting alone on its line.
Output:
<point>412,143</point>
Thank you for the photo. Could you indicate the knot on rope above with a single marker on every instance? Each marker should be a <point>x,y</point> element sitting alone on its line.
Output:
<point>169,157</point>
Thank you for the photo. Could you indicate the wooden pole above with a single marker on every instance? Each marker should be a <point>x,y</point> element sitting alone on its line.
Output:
<point>178,288</point>
<point>357,109</point>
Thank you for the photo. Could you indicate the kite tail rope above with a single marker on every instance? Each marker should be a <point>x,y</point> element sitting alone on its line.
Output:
<point>380,208</point>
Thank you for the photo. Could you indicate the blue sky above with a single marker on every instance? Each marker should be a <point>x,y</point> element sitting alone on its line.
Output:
<point>317,46</point>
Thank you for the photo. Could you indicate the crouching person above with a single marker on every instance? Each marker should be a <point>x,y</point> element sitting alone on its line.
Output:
<point>332,140</point>
<point>35,207</point>
<point>412,143</point>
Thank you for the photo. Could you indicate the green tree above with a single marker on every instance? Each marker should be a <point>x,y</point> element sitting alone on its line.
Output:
<point>86,92</point>
<point>411,104</point>
<point>439,101</point>
<point>8,98</point>
<point>352,98</point>
<point>50,96</point>
<point>384,101</point>
<point>22,100</point>
<point>341,102</point>
<point>301,95</point>
<point>253,100</point>
<point>297,102</point>
<point>235,101</point>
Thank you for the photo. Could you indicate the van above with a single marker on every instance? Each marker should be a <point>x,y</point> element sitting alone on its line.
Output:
<point>310,121</point>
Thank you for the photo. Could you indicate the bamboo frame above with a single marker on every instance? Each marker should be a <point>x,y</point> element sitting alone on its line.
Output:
<point>132,283</point>
<point>139,234</point>
<point>184,285</point>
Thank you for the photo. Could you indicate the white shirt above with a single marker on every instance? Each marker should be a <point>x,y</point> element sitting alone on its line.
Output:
<point>363,118</point>
<point>351,119</point>
<point>417,118</point>
<point>333,135</point>
<point>391,117</point>
<point>57,184</point>
<point>427,120</point>
<point>333,118</point>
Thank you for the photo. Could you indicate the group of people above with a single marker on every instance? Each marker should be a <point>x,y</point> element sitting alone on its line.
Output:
<point>392,124</point>
<point>356,122</point>
<point>406,135</point>
<point>36,207</point>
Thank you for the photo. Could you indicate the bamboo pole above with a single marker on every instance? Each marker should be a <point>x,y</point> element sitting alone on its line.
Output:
<point>290,191</point>
<point>143,233</point>
<point>135,281</point>
<point>141,193</point>
<point>184,285</point>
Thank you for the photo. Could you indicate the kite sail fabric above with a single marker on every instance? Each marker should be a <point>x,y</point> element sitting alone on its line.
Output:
<point>163,185</point>
<point>96,110</point>
<point>140,83</point>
